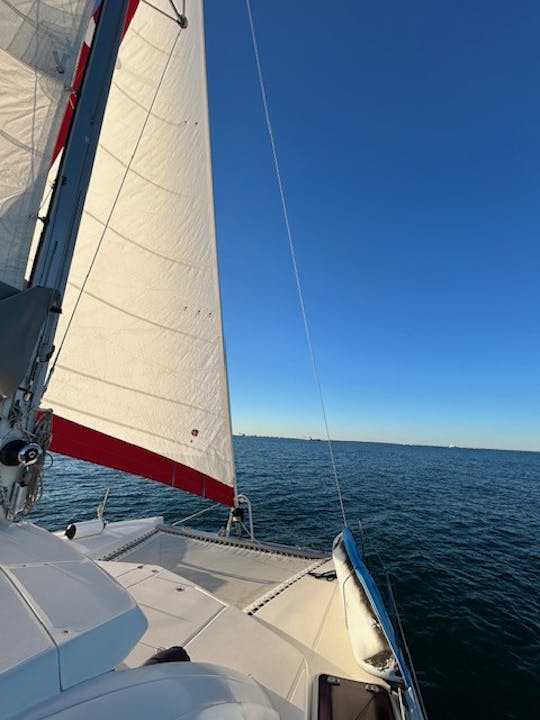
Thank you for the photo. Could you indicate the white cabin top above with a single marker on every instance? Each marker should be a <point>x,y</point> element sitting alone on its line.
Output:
<point>56,633</point>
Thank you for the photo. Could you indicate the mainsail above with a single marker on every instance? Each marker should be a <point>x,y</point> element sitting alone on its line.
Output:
<point>39,46</point>
<point>139,378</point>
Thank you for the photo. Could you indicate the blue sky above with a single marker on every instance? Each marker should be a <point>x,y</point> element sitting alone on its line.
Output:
<point>409,140</point>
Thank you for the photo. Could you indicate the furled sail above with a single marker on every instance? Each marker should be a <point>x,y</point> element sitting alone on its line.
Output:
<point>140,381</point>
<point>39,46</point>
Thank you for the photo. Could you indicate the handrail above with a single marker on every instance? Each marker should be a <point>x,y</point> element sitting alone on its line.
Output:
<point>404,646</point>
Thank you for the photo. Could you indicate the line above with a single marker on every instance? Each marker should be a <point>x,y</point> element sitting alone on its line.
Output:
<point>294,262</point>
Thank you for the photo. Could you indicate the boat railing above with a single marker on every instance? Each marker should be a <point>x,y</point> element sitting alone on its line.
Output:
<point>235,520</point>
<point>398,626</point>
<point>395,617</point>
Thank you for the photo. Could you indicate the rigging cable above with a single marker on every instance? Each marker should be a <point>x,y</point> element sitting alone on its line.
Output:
<point>115,202</point>
<point>293,258</point>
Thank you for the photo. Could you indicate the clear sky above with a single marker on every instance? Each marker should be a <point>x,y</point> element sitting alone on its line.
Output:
<point>409,140</point>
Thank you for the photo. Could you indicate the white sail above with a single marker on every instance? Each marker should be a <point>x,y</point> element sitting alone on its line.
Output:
<point>39,46</point>
<point>143,361</point>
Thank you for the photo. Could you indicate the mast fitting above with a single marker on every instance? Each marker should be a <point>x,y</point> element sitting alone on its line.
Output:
<point>20,452</point>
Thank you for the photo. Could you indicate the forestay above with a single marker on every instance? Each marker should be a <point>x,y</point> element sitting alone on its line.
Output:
<point>140,380</point>
<point>39,44</point>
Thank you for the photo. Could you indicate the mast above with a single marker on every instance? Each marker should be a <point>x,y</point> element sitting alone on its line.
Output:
<point>28,318</point>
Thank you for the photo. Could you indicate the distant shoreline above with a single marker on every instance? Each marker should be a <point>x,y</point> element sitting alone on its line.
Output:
<point>381,442</point>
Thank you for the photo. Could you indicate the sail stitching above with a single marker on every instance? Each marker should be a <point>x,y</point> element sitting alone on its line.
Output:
<point>18,144</point>
<point>38,27</point>
<point>170,123</point>
<point>294,261</point>
<point>138,174</point>
<point>139,392</point>
<point>174,440</point>
<point>191,266</point>
<point>70,321</point>
<point>145,40</point>
<point>206,341</point>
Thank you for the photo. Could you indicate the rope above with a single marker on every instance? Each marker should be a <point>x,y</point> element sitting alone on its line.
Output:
<point>294,262</point>
<point>106,224</point>
<point>179,17</point>
<point>329,575</point>
<point>195,514</point>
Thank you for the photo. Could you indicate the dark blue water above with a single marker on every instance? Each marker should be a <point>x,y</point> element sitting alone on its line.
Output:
<point>459,531</point>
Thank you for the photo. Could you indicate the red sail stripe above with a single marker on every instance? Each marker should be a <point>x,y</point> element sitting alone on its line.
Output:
<point>77,441</point>
<point>77,80</point>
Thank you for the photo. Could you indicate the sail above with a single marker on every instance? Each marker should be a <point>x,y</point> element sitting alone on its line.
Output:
<point>39,46</point>
<point>140,381</point>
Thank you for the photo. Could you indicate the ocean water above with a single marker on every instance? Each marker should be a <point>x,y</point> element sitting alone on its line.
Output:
<point>458,530</point>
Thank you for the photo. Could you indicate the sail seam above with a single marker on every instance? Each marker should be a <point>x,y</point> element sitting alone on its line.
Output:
<point>137,317</point>
<point>38,27</point>
<point>191,266</point>
<point>129,169</point>
<point>180,124</point>
<point>18,144</point>
<point>137,144</point>
<point>41,34</point>
<point>139,392</point>
<point>175,441</point>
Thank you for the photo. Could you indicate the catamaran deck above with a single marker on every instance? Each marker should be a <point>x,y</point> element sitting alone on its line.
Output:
<point>270,612</point>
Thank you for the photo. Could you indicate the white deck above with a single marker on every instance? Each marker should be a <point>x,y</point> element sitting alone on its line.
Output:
<point>266,612</point>
<point>256,611</point>
<point>239,573</point>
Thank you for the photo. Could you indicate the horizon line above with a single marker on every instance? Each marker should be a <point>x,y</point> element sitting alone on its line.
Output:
<point>382,442</point>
